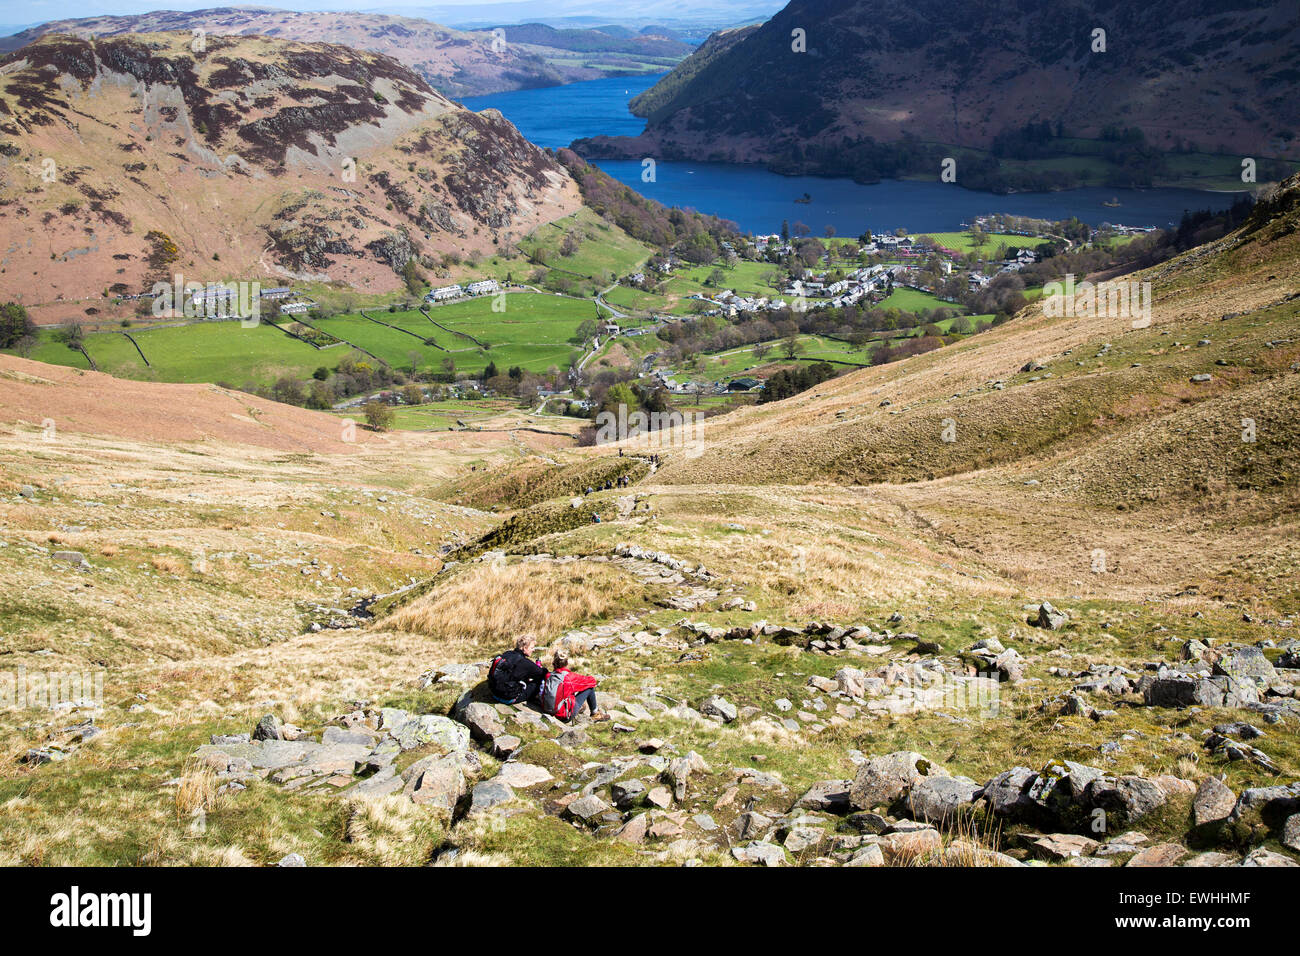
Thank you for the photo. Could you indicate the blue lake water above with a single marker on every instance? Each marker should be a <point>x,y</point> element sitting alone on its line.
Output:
<point>759,201</point>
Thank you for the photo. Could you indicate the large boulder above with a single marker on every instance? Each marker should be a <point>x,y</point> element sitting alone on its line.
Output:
<point>269,727</point>
<point>935,799</point>
<point>716,706</point>
<point>436,781</point>
<point>443,732</point>
<point>482,719</point>
<point>1182,692</point>
<point>1126,798</point>
<point>1268,805</point>
<point>1246,663</point>
<point>882,781</point>
<point>831,796</point>
<point>1214,801</point>
<point>1050,618</point>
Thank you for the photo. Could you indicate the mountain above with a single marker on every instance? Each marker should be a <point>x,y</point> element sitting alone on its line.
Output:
<point>883,79</point>
<point>457,63</point>
<point>127,159</point>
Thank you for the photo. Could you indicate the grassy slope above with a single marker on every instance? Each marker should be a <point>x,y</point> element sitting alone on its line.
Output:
<point>787,526</point>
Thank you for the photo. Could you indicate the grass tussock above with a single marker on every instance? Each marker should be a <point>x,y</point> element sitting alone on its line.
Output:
<point>389,831</point>
<point>491,603</point>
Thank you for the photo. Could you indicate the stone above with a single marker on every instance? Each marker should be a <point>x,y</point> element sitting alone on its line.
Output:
<point>634,830</point>
<point>268,728</point>
<point>1211,858</point>
<point>490,793</point>
<point>292,859</point>
<point>523,775</point>
<point>443,732</point>
<point>799,839</point>
<point>1270,805</point>
<point>627,793</point>
<point>1246,663</point>
<point>337,735</point>
<point>588,809</point>
<point>438,781</point>
<point>830,796</point>
<point>1182,692</point>
<point>75,558</point>
<point>1162,854</point>
<point>939,798</point>
<point>1263,857</point>
<point>1291,832</point>
<point>881,781</point>
<point>716,706</point>
<point>909,846</point>
<point>504,746</point>
<point>660,797</point>
<point>751,824</point>
<point>1062,846</point>
<point>1130,797</point>
<point>1214,801</point>
<point>759,852</point>
<point>869,855</point>
<point>1050,618</point>
<point>483,721</point>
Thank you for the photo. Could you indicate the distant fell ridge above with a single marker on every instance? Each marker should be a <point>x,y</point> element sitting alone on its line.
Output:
<point>1189,74</point>
<point>125,160</point>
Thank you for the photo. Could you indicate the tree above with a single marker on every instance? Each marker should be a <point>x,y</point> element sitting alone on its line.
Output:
<point>761,349</point>
<point>620,395</point>
<point>380,416</point>
<point>792,346</point>
<point>413,277</point>
<point>15,324</point>
<point>491,371</point>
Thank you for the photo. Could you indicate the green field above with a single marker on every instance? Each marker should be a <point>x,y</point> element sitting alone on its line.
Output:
<point>534,332</point>
<point>741,277</point>
<point>912,300</point>
<point>604,251</point>
<point>961,241</point>
<point>203,352</point>
<point>440,416</point>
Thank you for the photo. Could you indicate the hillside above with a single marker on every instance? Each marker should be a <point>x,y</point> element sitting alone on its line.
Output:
<point>1028,599</point>
<point>457,63</point>
<point>880,80</point>
<point>131,159</point>
<point>660,96</point>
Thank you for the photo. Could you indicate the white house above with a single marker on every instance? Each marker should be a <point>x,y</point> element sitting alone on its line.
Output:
<point>444,293</point>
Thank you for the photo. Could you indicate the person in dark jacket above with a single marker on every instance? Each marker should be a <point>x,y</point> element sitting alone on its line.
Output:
<point>515,676</point>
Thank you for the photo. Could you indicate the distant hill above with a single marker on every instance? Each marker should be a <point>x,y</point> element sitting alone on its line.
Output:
<point>125,160</point>
<point>613,40</point>
<point>457,63</point>
<point>881,81</point>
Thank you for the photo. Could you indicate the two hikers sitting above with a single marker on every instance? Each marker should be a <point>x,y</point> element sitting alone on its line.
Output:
<point>515,678</point>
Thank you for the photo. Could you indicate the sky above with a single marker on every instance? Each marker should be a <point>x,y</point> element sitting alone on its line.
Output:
<point>38,11</point>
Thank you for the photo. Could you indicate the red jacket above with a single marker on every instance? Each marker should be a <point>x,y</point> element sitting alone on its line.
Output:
<point>573,685</point>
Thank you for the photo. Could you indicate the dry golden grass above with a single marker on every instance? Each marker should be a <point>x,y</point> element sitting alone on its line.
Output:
<point>196,791</point>
<point>389,831</point>
<point>167,564</point>
<point>490,603</point>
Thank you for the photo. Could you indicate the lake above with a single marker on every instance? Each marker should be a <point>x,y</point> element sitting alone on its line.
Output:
<point>759,201</point>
